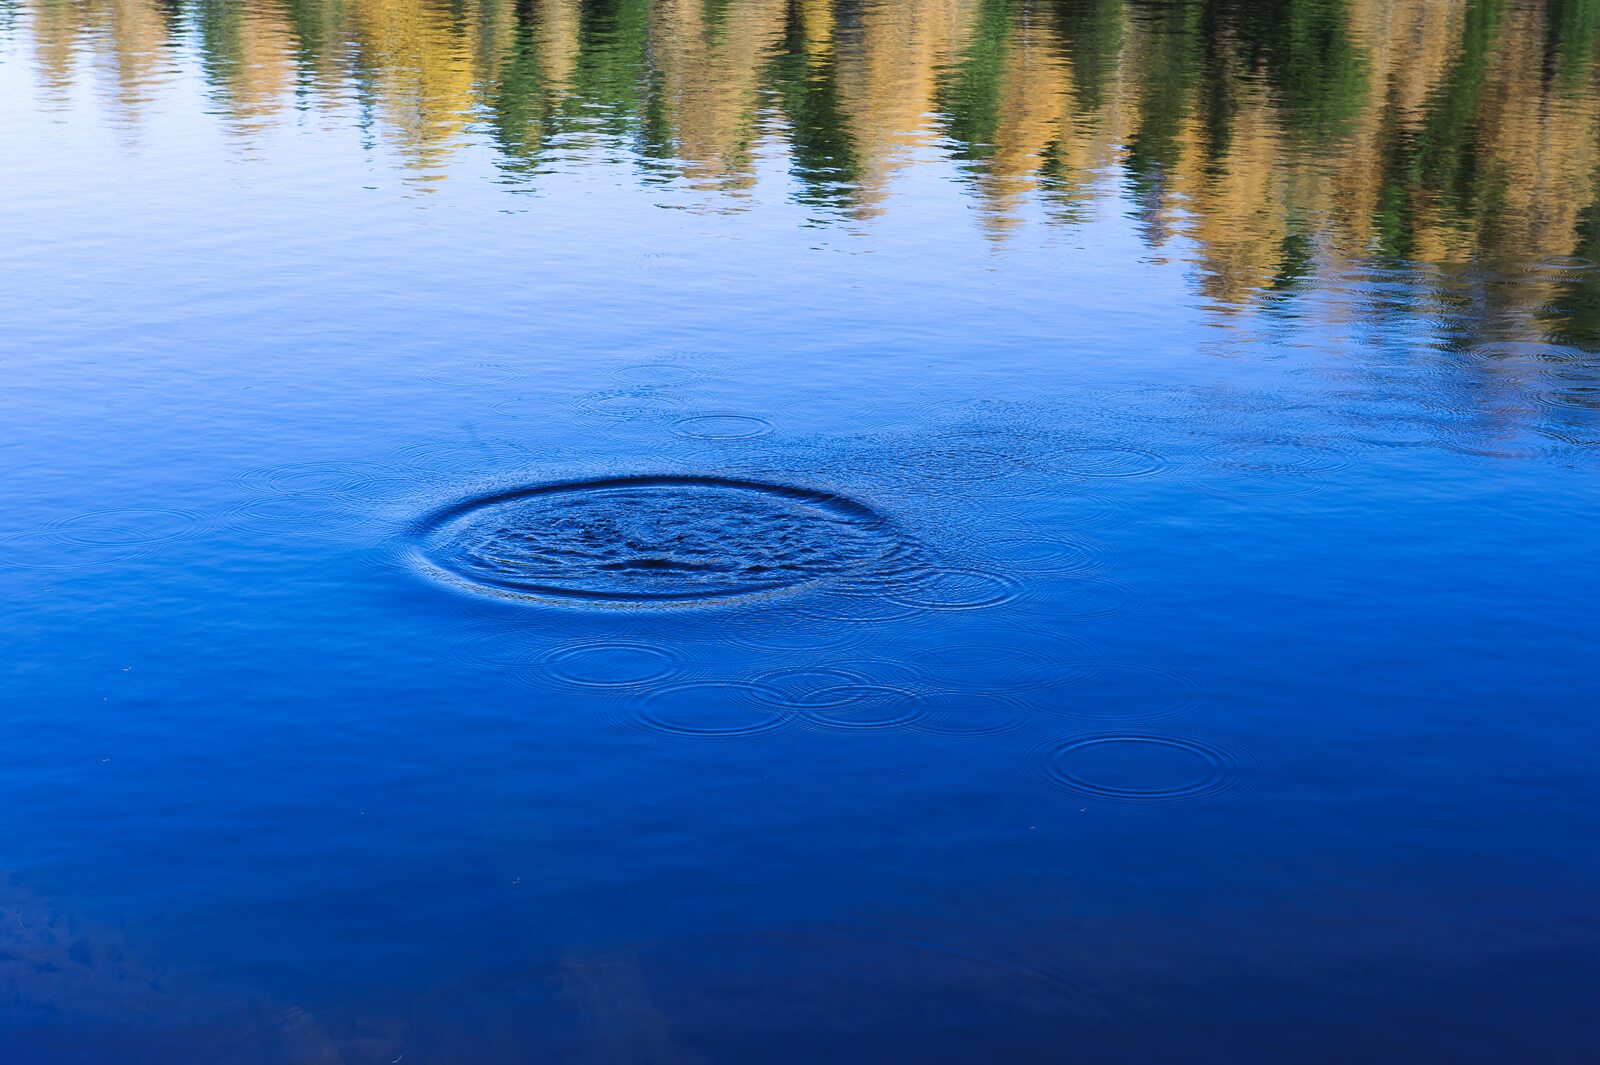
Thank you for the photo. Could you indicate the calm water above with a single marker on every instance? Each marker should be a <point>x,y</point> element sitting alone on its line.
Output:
<point>739,531</point>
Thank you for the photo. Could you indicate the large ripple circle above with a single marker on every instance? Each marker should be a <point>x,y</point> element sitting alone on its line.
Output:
<point>653,540</point>
<point>1139,767</point>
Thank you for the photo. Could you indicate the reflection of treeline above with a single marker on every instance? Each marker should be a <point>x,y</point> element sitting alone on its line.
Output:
<point>1271,133</point>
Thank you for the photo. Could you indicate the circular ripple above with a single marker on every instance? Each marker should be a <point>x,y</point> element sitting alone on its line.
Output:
<point>1584,398</point>
<point>1371,275</point>
<point>997,666</point>
<point>1150,404</point>
<point>1583,438</point>
<point>722,425</point>
<point>1092,597</point>
<point>885,672</point>
<point>475,376</point>
<point>124,527</point>
<point>637,404</point>
<point>658,374</point>
<point>464,455</point>
<point>497,648</point>
<point>101,537</point>
<point>867,706</point>
<point>959,462</point>
<point>611,664</point>
<point>1054,506</point>
<point>710,709</point>
<point>856,607</point>
<point>1566,262</point>
<point>1078,510</point>
<point>1108,462</point>
<point>272,511</point>
<point>785,632</point>
<point>1044,555</point>
<point>661,540</point>
<point>1289,458</point>
<point>1485,445</point>
<point>1388,432</point>
<point>538,406</point>
<point>1267,469</point>
<point>811,687</point>
<point>313,478</point>
<point>974,714</point>
<point>957,589</point>
<point>1132,767</point>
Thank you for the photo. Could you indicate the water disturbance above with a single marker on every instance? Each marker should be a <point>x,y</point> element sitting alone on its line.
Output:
<point>662,540</point>
<point>842,532</point>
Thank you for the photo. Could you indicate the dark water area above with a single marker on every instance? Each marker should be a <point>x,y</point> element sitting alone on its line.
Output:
<point>747,531</point>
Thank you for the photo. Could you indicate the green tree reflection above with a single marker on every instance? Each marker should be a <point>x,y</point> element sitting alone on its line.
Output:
<point>1279,140</point>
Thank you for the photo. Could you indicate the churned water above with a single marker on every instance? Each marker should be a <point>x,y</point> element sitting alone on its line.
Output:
<point>661,531</point>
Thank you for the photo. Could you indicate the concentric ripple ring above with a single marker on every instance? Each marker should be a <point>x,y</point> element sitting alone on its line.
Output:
<point>1085,765</point>
<point>653,540</point>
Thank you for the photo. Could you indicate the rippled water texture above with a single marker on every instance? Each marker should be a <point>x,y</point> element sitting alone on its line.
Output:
<point>679,540</point>
<point>738,532</point>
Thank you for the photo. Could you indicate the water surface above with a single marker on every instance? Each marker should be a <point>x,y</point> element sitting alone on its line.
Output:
<point>752,531</point>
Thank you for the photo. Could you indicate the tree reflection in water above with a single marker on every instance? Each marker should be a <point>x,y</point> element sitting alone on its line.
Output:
<point>1283,141</point>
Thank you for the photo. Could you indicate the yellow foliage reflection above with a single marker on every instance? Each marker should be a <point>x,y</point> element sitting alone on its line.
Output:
<point>1273,144</point>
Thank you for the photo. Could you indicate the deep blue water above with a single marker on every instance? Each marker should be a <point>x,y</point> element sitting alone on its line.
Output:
<point>960,630</point>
